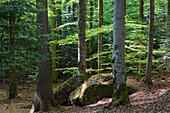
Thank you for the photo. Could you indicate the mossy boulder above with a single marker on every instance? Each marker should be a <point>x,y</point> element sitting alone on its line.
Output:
<point>94,89</point>
<point>63,91</point>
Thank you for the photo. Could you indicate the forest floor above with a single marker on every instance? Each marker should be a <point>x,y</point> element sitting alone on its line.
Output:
<point>145,100</point>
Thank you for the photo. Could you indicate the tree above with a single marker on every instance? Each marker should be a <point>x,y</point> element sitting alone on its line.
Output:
<point>82,37</point>
<point>168,33</point>
<point>74,4</point>
<point>120,95</point>
<point>12,73</point>
<point>69,15</point>
<point>15,23</point>
<point>59,22</point>
<point>44,99</point>
<point>91,39</point>
<point>100,36</point>
<point>140,42</point>
<point>54,47</point>
<point>147,79</point>
<point>141,10</point>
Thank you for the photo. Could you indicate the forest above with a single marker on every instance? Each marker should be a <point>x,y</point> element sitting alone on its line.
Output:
<point>84,56</point>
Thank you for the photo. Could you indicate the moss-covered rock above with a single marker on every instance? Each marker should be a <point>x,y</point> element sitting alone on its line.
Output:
<point>63,91</point>
<point>94,89</point>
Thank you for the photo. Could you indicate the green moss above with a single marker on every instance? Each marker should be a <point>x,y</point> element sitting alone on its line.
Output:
<point>120,97</point>
<point>96,88</point>
<point>45,104</point>
<point>63,91</point>
<point>166,93</point>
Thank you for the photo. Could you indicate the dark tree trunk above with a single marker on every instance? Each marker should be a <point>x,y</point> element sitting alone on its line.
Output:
<point>44,99</point>
<point>147,79</point>
<point>69,15</point>
<point>91,39</point>
<point>73,10</point>
<point>140,42</point>
<point>59,22</point>
<point>82,37</point>
<point>141,10</point>
<point>12,73</point>
<point>168,34</point>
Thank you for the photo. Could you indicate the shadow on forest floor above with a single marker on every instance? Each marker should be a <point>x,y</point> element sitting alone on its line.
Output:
<point>144,100</point>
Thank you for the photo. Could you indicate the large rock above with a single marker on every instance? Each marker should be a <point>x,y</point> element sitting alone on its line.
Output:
<point>63,91</point>
<point>94,89</point>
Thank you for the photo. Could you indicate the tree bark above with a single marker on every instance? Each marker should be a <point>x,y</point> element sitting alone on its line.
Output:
<point>120,95</point>
<point>141,10</point>
<point>59,22</point>
<point>44,99</point>
<point>69,15</point>
<point>73,10</point>
<point>147,79</point>
<point>100,36</point>
<point>12,73</point>
<point>54,47</point>
<point>82,37</point>
<point>141,21</point>
<point>91,39</point>
<point>168,33</point>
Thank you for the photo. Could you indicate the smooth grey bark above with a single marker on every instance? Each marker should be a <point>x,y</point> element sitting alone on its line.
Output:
<point>44,99</point>
<point>120,94</point>
<point>100,35</point>
<point>118,57</point>
<point>147,79</point>
<point>82,37</point>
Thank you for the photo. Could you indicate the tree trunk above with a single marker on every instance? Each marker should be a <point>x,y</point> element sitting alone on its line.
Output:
<point>54,47</point>
<point>168,34</point>
<point>120,95</point>
<point>73,10</point>
<point>91,39</point>
<point>100,36</point>
<point>141,10</point>
<point>140,20</point>
<point>69,12</point>
<point>147,79</point>
<point>44,99</point>
<point>59,22</point>
<point>82,37</point>
<point>12,73</point>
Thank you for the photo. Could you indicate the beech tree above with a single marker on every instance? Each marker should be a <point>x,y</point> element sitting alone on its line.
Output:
<point>120,94</point>
<point>82,37</point>
<point>147,79</point>
<point>100,35</point>
<point>44,99</point>
<point>54,47</point>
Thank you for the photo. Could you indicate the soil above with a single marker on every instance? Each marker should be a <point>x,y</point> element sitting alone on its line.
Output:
<point>145,100</point>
